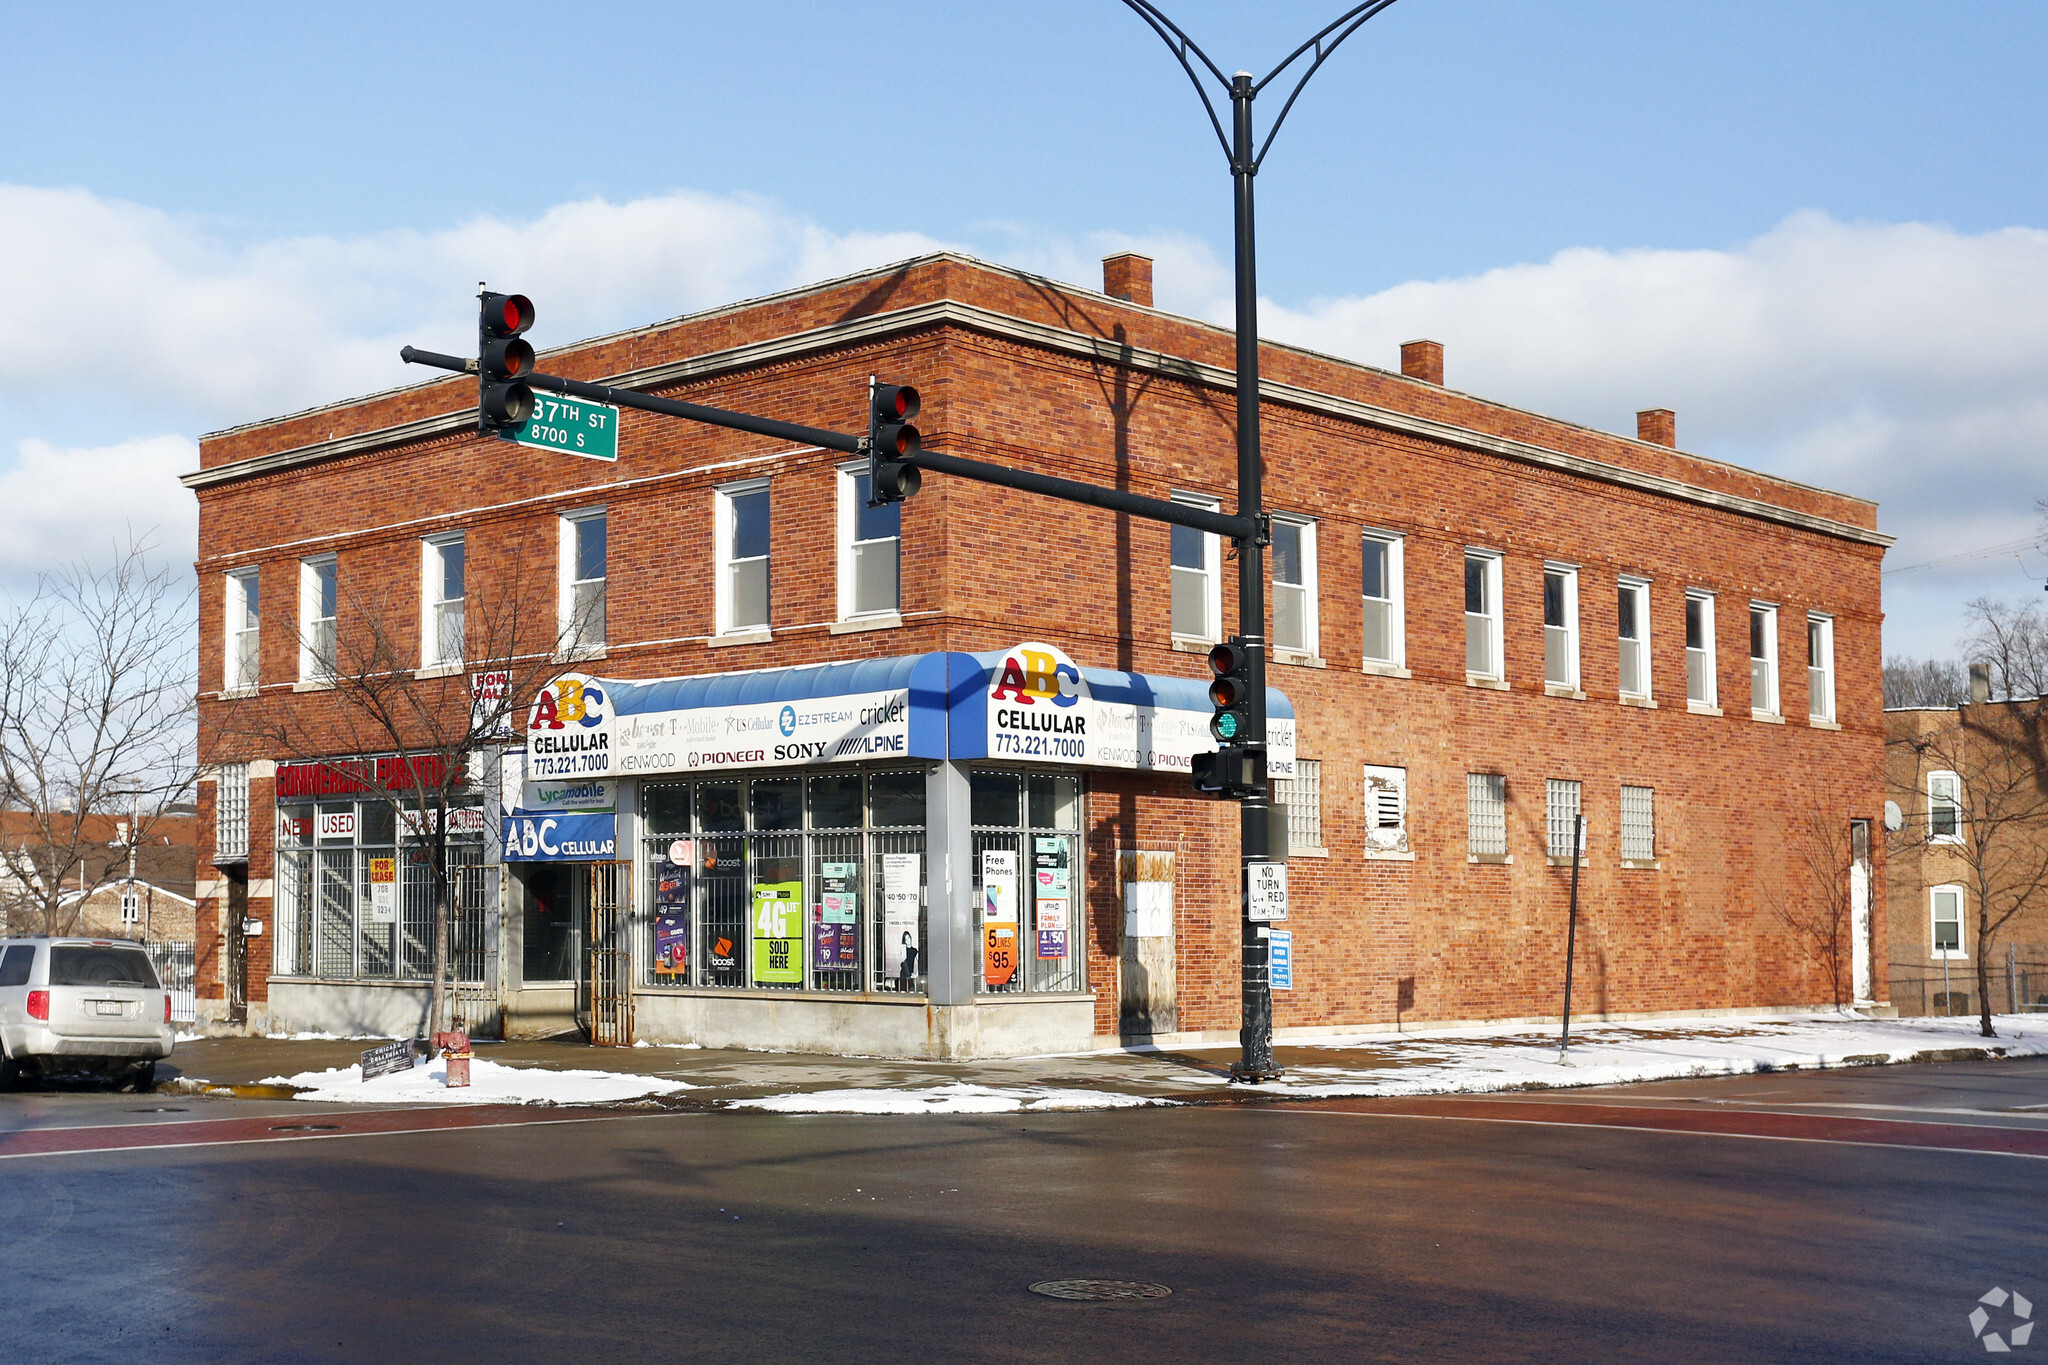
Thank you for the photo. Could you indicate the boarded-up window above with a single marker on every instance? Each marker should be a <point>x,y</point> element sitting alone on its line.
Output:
<point>1386,809</point>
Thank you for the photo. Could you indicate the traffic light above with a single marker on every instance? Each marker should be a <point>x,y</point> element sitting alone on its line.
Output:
<point>1230,691</point>
<point>891,407</point>
<point>503,358</point>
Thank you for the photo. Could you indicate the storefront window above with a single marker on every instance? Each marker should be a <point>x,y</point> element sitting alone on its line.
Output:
<point>1028,882</point>
<point>355,901</point>
<point>787,883</point>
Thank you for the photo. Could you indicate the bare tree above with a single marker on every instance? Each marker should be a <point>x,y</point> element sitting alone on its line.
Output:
<point>1812,902</point>
<point>373,697</point>
<point>2012,639</point>
<point>1924,682</point>
<point>95,727</point>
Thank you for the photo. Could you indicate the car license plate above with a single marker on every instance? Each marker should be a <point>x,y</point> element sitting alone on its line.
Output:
<point>110,1007</point>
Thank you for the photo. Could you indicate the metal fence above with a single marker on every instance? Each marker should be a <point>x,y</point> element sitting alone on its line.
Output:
<point>177,966</point>
<point>2018,984</point>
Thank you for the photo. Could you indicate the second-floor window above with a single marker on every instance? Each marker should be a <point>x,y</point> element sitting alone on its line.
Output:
<point>1632,632</point>
<point>443,570</point>
<point>870,549</point>
<point>583,579</point>
<point>317,593</point>
<point>1482,614</point>
<point>1820,667</point>
<point>1380,574</point>
<point>742,531</point>
<point>1944,808</point>
<point>243,653</point>
<point>1197,593</point>
<point>1294,585</point>
<point>1763,659</point>
<point>1560,625</point>
<point>1699,648</point>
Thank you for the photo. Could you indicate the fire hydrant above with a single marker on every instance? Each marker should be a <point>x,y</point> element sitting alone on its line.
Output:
<point>454,1046</point>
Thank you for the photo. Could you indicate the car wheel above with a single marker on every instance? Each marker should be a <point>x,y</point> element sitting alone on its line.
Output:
<point>143,1078</point>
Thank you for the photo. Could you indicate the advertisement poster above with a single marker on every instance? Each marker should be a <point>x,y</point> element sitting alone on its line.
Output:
<point>723,955</point>
<point>1280,959</point>
<point>1053,890</point>
<point>902,884</point>
<point>998,916</point>
<point>672,913</point>
<point>383,890</point>
<point>778,930</point>
<point>834,939</point>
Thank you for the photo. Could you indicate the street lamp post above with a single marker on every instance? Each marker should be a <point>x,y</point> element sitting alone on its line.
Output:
<point>1255,1036</point>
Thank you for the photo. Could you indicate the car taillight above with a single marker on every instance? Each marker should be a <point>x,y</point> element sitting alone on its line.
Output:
<point>167,1007</point>
<point>39,1005</point>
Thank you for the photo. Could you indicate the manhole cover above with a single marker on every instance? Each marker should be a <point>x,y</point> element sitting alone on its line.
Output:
<point>1098,1291</point>
<point>305,1127</point>
<point>161,1109</point>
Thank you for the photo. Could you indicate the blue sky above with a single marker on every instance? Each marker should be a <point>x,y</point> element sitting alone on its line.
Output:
<point>1816,229</point>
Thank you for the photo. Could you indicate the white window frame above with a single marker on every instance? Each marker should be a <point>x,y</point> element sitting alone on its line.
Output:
<point>1212,569</point>
<point>131,907</point>
<point>567,582</point>
<point>1769,659</point>
<point>1961,952</point>
<point>1396,656</point>
<point>725,564</point>
<point>1488,621</point>
<point>848,527</point>
<point>312,668</point>
<point>1820,666</point>
<point>1311,624</point>
<point>242,631</point>
<point>1954,801</point>
<point>1567,632</point>
<point>433,581</point>
<point>1639,588</point>
<point>1386,793</point>
<point>1705,652</point>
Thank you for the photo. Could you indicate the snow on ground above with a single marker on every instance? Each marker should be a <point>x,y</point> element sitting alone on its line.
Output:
<point>957,1098</point>
<point>1619,1054</point>
<point>489,1083</point>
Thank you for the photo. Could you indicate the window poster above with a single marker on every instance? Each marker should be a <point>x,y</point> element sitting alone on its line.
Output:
<point>835,940</point>
<point>1052,888</point>
<point>383,890</point>
<point>902,886</point>
<point>672,912</point>
<point>778,931</point>
<point>998,915</point>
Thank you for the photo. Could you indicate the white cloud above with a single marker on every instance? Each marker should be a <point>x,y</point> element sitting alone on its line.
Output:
<point>64,503</point>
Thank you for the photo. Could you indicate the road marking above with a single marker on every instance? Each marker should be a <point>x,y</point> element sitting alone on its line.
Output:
<point>2020,1113</point>
<point>1756,1125</point>
<point>152,1137</point>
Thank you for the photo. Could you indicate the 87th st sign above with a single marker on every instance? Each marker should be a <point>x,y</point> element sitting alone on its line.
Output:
<point>570,426</point>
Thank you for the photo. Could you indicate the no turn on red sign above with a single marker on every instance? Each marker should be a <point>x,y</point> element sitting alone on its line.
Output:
<point>1265,891</point>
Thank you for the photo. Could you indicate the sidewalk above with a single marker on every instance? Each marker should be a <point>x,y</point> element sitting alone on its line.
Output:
<point>1425,1063</point>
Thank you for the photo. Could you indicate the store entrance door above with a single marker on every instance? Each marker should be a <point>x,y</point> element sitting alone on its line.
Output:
<point>607,992</point>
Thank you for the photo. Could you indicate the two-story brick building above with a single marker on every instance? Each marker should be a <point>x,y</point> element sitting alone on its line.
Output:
<point>799,760</point>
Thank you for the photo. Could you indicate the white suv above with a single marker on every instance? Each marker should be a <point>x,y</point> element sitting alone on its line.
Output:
<point>73,1004</point>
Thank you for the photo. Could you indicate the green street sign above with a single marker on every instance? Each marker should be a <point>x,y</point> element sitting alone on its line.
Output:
<point>570,426</point>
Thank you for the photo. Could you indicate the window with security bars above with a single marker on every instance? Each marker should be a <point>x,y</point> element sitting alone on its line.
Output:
<point>1486,814</point>
<point>231,814</point>
<point>1638,824</point>
<point>1302,794</point>
<point>811,882</point>
<point>1561,815</point>
<point>1386,809</point>
<point>1028,823</point>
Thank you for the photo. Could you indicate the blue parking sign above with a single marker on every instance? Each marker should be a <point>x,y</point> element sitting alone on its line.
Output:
<point>1280,959</point>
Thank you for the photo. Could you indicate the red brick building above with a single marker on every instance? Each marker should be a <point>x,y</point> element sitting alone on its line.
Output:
<point>1485,621</point>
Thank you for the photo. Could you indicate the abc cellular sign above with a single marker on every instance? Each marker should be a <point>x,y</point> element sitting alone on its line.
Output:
<point>1039,706</point>
<point>568,730</point>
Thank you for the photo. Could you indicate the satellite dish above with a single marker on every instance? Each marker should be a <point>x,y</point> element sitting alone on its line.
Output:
<point>1894,818</point>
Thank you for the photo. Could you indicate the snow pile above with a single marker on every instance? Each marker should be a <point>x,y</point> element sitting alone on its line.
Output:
<point>957,1098</point>
<point>489,1083</point>
<point>1446,1064</point>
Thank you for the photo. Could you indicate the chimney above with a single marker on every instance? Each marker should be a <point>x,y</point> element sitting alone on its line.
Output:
<point>1423,360</point>
<point>1658,426</point>
<point>1128,276</point>
<point>1980,682</point>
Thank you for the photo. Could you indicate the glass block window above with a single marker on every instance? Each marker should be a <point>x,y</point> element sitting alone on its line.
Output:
<point>1561,815</point>
<point>1303,796</point>
<point>231,814</point>
<point>1486,814</point>
<point>1638,824</point>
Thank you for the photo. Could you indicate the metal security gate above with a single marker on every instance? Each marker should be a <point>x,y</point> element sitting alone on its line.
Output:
<point>609,975</point>
<point>177,967</point>
<point>473,952</point>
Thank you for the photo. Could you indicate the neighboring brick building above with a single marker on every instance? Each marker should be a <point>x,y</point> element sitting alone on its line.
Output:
<point>163,860</point>
<point>1484,620</point>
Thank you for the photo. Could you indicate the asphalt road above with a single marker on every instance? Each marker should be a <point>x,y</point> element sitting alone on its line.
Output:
<point>1851,1216</point>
